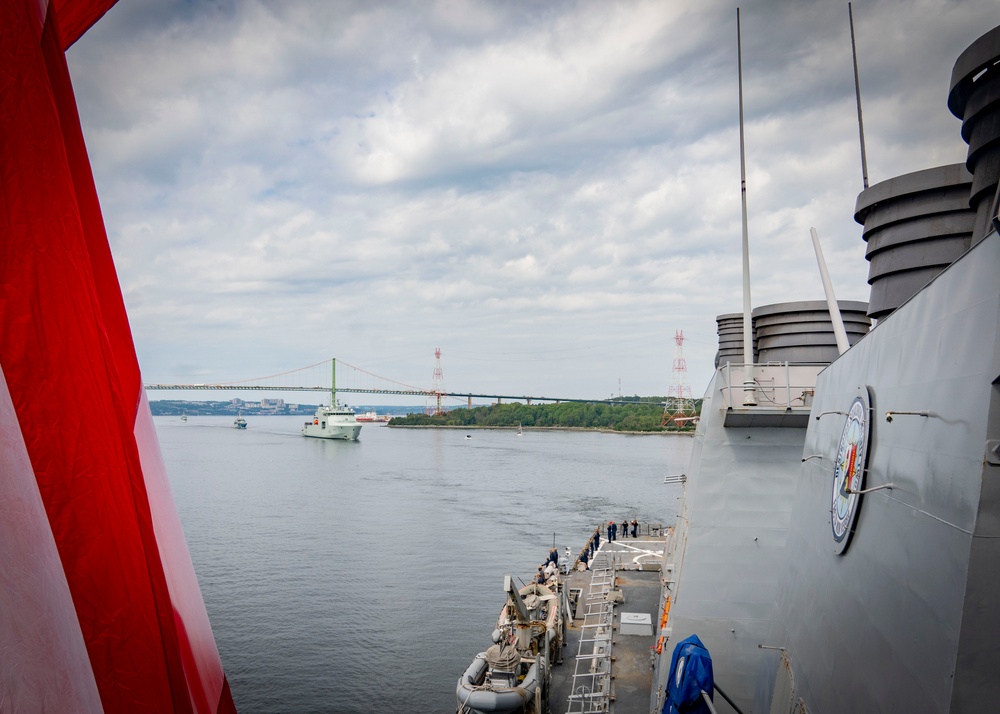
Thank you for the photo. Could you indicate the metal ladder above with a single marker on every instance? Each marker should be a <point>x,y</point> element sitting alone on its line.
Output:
<point>592,677</point>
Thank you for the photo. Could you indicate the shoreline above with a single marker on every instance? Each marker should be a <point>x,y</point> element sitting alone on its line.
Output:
<point>539,428</point>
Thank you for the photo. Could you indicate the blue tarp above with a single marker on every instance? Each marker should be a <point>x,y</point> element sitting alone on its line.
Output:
<point>690,673</point>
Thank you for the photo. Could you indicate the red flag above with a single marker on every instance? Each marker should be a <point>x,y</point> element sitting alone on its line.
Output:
<point>102,609</point>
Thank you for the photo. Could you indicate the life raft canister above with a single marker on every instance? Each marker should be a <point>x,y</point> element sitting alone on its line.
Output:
<point>315,421</point>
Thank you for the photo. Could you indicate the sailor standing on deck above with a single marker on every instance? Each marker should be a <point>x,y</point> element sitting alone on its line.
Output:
<point>611,530</point>
<point>635,527</point>
<point>624,527</point>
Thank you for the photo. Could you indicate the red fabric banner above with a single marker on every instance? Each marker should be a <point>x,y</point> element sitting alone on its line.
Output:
<point>77,16</point>
<point>69,365</point>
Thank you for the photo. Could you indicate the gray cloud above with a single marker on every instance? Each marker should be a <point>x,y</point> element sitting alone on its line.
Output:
<point>545,191</point>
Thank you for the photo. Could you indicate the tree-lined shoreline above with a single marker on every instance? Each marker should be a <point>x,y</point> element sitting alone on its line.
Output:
<point>644,417</point>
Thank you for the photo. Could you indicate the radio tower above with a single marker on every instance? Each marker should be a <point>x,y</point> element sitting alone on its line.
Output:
<point>437,385</point>
<point>679,408</point>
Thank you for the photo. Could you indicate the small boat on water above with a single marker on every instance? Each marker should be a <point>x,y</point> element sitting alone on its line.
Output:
<point>336,421</point>
<point>514,674</point>
<point>239,423</point>
<point>184,417</point>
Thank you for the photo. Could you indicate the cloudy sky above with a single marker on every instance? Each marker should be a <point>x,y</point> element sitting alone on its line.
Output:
<point>546,191</point>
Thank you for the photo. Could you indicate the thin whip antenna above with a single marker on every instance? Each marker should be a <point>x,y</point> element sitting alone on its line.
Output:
<point>857,92</point>
<point>748,381</point>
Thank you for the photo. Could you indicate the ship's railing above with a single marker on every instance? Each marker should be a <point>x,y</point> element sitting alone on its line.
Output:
<point>673,560</point>
<point>591,691</point>
<point>777,385</point>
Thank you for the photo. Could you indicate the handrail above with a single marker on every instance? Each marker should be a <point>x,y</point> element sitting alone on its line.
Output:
<point>784,385</point>
<point>708,701</point>
<point>591,689</point>
<point>726,697</point>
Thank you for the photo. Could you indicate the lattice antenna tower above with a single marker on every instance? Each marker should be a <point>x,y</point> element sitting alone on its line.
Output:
<point>437,383</point>
<point>679,407</point>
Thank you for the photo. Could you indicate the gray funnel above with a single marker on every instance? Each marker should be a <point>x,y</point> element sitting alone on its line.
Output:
<point>730,328</point>
<point>915,226</point>
<point>799,331</point>
<point>802,331</point>
<point>975,99</point>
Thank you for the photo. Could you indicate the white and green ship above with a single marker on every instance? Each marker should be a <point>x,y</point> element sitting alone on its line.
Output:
<point>336,421</point>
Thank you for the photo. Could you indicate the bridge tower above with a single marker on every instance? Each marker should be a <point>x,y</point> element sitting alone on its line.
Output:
<point>437,383</point>
<point>679,407</point>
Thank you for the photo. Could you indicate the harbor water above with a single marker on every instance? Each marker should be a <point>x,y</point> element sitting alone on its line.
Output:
<point>364,576</point>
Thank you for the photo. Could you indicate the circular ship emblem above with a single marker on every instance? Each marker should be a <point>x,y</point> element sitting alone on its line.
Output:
<point>849,473</point>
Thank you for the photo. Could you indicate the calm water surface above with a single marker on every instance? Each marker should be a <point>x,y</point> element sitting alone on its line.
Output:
<point>354,577</point>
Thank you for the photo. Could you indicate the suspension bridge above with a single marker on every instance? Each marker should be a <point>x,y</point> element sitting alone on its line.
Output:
<point>360,381</point>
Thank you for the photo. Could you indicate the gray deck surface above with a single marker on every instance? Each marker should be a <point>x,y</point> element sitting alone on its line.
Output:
<point>631,669</point>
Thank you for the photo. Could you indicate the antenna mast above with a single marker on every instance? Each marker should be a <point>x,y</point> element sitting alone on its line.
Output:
<point>857,92</point>
<point>749,400</point>
<point>839,332</point>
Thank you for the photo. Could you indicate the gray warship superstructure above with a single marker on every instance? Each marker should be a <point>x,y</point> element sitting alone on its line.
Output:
<point>839,540</point>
